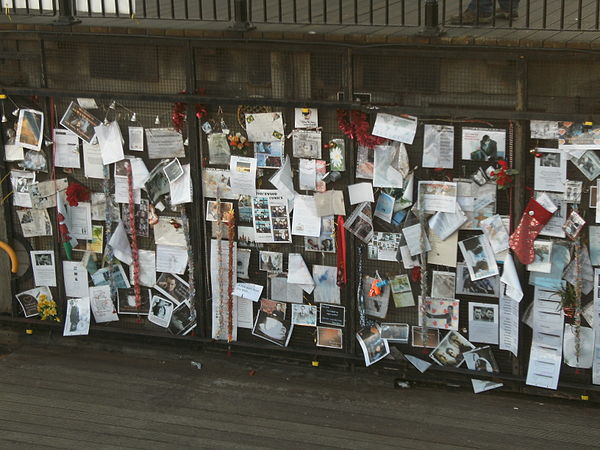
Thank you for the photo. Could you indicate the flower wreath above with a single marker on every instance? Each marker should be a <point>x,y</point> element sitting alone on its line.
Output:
<point>178,112</point>
<point>355,125</point>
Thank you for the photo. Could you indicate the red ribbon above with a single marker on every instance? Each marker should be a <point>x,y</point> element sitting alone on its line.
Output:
<point>341,251</point>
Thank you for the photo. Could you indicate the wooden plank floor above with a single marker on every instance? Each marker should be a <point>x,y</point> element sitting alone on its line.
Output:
<point>69,398</point>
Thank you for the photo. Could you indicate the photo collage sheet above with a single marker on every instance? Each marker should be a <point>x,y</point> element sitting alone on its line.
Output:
<point>110,185</point>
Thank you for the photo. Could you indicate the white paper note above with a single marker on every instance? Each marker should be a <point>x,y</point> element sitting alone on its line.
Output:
<point>171,259</point>
<point>76,279</point>
<point>483,323</point>
<point>164,143</point>
<point>44,267</point>
<point>92,161</point>
<point>136,139</point>
<point>110,142</point>
<point>66,149</point>
<point>306,221</point>
<point>248,291</point>
<point>360,192</point>
<point>120,244</point>
<point>102,305</point>
<point>147,260</point>
<point>509,324</point>
<point>242,175</point>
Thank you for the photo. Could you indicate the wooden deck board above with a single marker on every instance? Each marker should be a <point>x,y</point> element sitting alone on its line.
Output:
<point>69,398</point>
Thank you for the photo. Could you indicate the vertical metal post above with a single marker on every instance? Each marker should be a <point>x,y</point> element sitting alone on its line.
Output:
<point>65,13</point>
<point>240,16</point>
<point>351,251</point>
<point>432,22</point>
<point>519,190</point>
<point>196,214</point>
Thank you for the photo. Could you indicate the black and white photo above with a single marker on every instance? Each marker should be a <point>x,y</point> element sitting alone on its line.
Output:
<point>479,257</point>
<point>173,287</point>
<point>271,323</point>
<point>374,347</point>
<point>588,164</point>
<point>483,323</point>
<point>481,359</point>
<point>451,350</point>
<point>486,287</point>
<point>542,257</point>
<point>573,225</point>
<point>183,319</point>
<point>161,310</point>
<point>77,318</point>
<point>442,284</point>
<point>304,315</point>
<point>271,262</point>
<point>395,332</point>
<point>173,170</point>
<point>126,302</point>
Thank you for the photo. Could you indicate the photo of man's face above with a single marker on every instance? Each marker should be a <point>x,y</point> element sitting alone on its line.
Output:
<point>171,284</point>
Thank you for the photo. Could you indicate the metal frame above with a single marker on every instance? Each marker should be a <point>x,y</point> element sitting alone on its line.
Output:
<point>349,356</point>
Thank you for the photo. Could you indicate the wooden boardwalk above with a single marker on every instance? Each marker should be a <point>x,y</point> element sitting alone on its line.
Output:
<point>52,396</point>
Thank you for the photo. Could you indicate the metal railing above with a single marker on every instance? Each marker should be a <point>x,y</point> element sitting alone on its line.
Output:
<point>551,15</point>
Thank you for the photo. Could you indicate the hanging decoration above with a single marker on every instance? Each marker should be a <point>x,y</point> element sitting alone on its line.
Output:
<point>185,222</point>
<point>360,294</point>
<point>533,220</point>
<point>341,252</point>
<point>220,300</point>
<point>230,217</point>
<point>134,244</point>
<point>108,217</point>
<point>355,125</point>
<point>179,111</point>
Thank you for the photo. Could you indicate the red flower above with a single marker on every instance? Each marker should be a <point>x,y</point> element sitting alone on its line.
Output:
<point>77,193</point>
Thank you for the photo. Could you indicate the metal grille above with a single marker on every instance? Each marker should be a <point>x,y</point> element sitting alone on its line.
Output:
<point>20,63</point>
<point>411,80</point>
<point>115,67</point>
<point>568,90</point>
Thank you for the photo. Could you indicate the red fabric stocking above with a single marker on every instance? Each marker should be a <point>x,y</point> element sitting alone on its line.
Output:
<point>533,220</point>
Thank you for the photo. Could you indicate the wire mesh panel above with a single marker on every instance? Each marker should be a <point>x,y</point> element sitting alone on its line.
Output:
<point>21,63</point>
<point>567,91</point>
<point>115,67</point>
<point>417,80</point>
